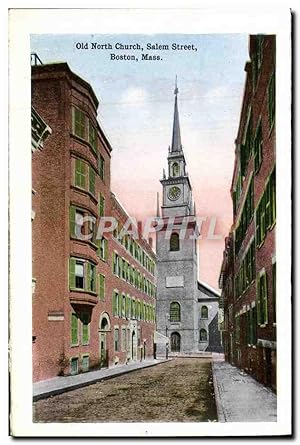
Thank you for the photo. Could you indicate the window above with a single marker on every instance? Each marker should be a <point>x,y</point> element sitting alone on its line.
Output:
<point>92,179</point>
<point>123,339</point>
<point>80,173</point>
<point>175,169</point>
<point>116,339</point>
<point>79,275</point>
<point>92,136</point>
<point>101,287</point>
<point>174,242</point>
<point>74,330</point>
<point>133,313</point>
<point>271,100</point>
<point>101,167</point>
<point>76,222</point>
<point>203,335</point>
<point>115,303</point>
<point>74,365</point>
<point>79,123</point>
<point>128,306</point>
<point>102,250</point>
<point>274,291</point>
<point>85,363</point>
<point>138,310</point>
<point>204,312</point>
<point>258,148</point>
<point>262,299</point>
<point>123,312</point>
<point>175,312</point>
<point>101,205</point>
<point>85,320</point>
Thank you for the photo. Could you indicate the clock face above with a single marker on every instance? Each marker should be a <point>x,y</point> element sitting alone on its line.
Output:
<point>174,193</point>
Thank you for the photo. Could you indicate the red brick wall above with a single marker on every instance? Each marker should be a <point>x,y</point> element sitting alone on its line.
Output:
<point>54,90</point>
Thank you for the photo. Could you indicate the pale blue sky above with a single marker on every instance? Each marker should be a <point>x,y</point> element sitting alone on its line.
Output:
<point>136,111</point>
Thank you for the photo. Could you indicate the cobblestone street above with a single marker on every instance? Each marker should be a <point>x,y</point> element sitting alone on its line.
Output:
<point>177,391</point>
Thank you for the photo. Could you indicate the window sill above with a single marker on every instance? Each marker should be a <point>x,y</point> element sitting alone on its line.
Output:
<point>75,345</point>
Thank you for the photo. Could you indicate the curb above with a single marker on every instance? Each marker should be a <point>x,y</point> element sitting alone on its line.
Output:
<point>220,411</point>
<point>57,391</point>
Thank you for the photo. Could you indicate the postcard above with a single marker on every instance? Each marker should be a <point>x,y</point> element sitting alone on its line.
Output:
<point>148,223</point>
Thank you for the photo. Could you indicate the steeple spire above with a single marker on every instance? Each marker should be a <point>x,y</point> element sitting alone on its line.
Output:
<point>176,140</point>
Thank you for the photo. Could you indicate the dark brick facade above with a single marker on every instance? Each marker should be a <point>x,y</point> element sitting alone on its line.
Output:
<point>71,177</point>
<point>248,275</point>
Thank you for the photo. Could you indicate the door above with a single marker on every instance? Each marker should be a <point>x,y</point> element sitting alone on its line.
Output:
<point>133,346</point>
<point>103,351</point>
<point>175,342</point>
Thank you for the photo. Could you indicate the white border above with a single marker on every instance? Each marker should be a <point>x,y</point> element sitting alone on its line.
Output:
<point>237,20</point>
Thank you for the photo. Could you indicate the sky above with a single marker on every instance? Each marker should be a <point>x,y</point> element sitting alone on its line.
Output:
<point>136,103</point>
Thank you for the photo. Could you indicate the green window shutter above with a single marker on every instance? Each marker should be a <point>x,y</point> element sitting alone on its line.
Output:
<point>265,298</point>
<point>115,304</point>
<point>251,327</point>
<point>72,280</point>
<point>74,329</point>
<point>120,305</point>
<point>83,174</point>
<point>101,288</point>
<point>72,220</point>
<point>85,329</point>
<point>101,205</point>
<point>92,178</point>
<point>79,123</point>
<point>259,321</point>
<point>114,262</point>
<point>88,276</point>
<point>105,249</point>
<point>273,197</point>
<point>120,271</point>
<point>77,172</point>
<point>92,136</point>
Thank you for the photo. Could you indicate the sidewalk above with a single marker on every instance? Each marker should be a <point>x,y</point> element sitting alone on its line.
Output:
<point>240,398</point>
<point>58,385</point>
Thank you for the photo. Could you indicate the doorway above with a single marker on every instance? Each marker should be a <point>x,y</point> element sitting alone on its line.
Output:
<point>175,342</point>
<point>133,346</point>
<point>104,329</point>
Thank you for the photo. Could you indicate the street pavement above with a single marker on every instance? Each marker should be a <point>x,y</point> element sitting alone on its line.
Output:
<point>58,385</point>
<point>179,390</point>
<point>239,397</point>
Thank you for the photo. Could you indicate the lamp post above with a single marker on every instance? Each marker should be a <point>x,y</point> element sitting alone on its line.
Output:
<point>167,343</point>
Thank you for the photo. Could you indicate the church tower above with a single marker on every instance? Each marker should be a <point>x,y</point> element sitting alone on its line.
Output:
<point>177,311</point>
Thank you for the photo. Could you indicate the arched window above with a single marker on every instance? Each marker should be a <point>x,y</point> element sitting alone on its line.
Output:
<point>203,335</point>
<point>175,169</point>
<point>175,311</point>
<point>174,242</point>
<point>204,312</point>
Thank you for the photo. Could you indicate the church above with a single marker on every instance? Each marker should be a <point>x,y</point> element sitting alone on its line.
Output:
<point>186,309</point>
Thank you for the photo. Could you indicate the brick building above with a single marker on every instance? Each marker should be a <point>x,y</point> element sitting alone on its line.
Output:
<point>248,273</point>
<point>87,312</point>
